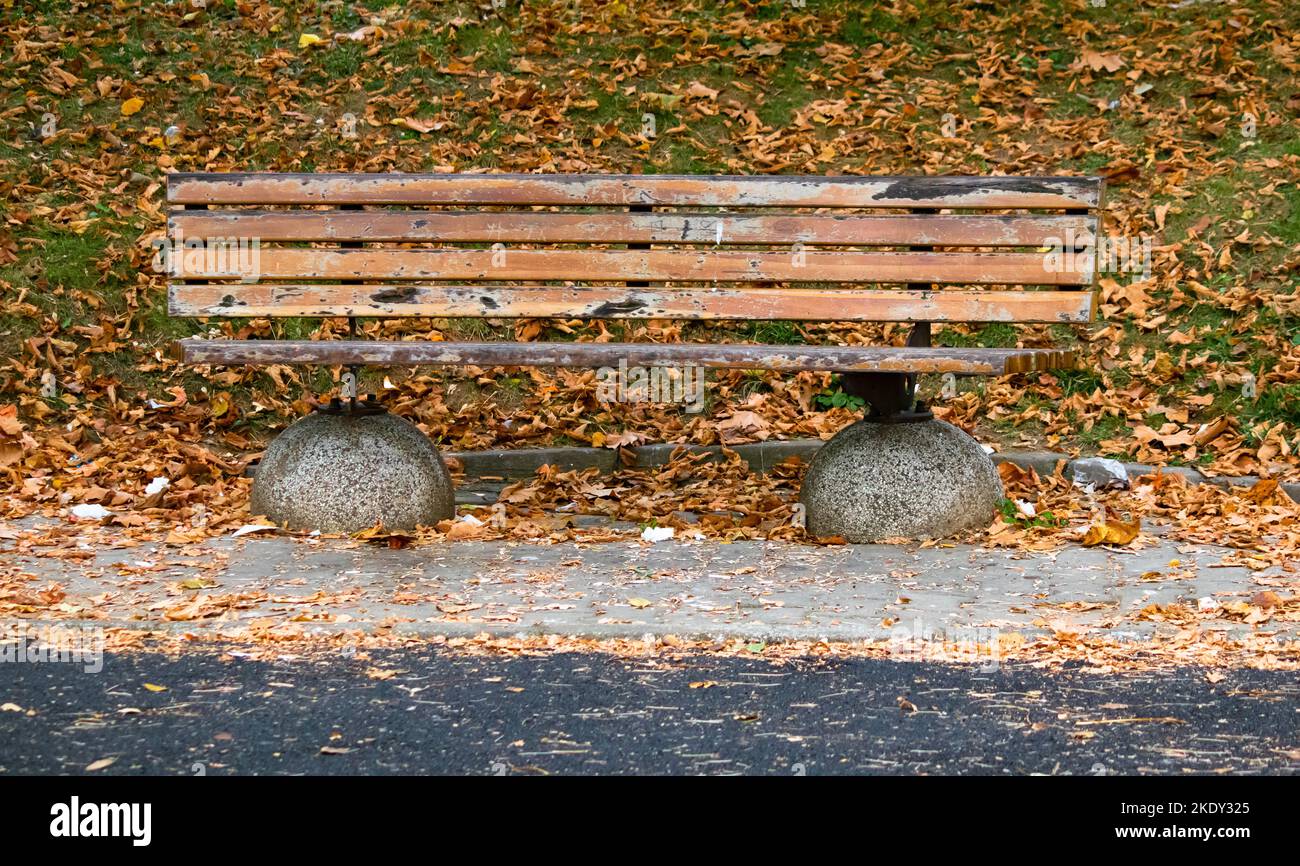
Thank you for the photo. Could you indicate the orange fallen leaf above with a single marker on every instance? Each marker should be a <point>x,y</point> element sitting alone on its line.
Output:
<point>1267,491</point>
<point>1266,599</point>
<point>1115,532</point>
<point>1097,61</point>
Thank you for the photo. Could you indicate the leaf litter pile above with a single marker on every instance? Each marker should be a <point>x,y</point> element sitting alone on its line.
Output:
<point>1190,111</point>
<point>711,502</point>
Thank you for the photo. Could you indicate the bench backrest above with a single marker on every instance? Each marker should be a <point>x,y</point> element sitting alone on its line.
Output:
<point>505,245</point>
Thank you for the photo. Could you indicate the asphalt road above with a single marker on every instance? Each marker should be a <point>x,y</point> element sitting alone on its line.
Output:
<point>407,712</point>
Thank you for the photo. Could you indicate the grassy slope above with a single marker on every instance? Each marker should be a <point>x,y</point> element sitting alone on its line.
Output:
<point>856,87</point>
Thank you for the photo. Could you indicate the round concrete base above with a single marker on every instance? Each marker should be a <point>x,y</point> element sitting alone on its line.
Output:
<point>341,473</point>
<point>924,479</point>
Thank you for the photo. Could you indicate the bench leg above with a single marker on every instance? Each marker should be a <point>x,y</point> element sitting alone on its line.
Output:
<point>891,397</point>
<point>339,472</point>
<point>880,479</point>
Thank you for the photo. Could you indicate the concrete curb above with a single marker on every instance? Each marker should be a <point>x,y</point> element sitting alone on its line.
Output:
<point>485,471</point>
<point>762,456</point>
<point>524,462</point>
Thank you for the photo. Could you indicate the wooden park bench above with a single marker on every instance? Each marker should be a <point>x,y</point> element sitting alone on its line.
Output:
<point>585,246</point>
<point>808,248</point>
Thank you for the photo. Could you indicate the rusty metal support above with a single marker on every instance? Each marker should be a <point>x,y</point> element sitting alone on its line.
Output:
<point>892,396</point>
<point>638,208</point>
<point>353,405</point>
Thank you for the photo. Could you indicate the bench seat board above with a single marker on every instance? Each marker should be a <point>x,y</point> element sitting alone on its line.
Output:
<point>975,361</point>
<point>416,226</point>
<point>653,190</point>
<point>982,268</point>
<point>618,302</point>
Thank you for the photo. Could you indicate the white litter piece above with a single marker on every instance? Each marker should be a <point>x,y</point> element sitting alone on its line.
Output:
<point>1207,604</point>
<point>471,520</point>
<point>158,485</point>
<point>90,512</point>
<point>249,528</point>
<point>1026,509</point>
<point>657,533</point>
<point>1101,473</point>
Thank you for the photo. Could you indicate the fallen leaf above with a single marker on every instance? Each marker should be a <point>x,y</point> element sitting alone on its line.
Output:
<point>1114,532</point>
<point>1266,599</point>
<point>1097,62</point>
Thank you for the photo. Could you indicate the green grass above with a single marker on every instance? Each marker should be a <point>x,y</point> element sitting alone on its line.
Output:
<point>788,89</point>
<point>1273,403</point>
<point>775,332</point>
<point>495,43</point>
<point>1109,427</point>
<point>342,61</point>
<point>1286,226</point>
<point>63,272</point>
<point>1083,382</point>
<point>1011,513</point>
<point>998,335</point>
<point>57,264</point>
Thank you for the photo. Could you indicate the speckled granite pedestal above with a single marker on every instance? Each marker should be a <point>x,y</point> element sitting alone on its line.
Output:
<point>922,479</point>
<point>345,473</point>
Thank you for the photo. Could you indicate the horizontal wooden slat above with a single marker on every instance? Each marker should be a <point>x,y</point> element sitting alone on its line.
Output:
<point>514,227</point>
<point>657,265</point>
<point>617,302</point>
<point>663,190</point>
<point>735,355</point>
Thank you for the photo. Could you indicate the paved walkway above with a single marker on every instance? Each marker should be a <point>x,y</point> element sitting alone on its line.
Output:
<point>706,589</point>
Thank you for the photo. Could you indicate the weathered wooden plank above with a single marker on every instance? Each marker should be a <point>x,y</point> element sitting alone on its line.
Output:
<point>654,190</point>
<point>967,230</point>
<point>1009,268</point>
<point>618,302</point>
<point>733,355</point>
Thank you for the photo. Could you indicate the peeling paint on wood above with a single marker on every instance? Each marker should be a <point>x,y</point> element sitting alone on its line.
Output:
<point>1030,230</point>
<point>654,190</point>
<point>618,302</point>
<point>654,265</point>
<point>890,359</point>
<point>717,248</point>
